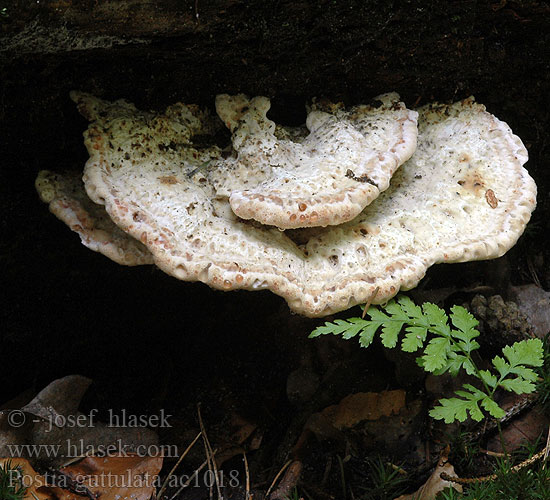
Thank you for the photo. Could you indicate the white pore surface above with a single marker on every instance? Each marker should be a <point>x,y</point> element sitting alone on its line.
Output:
<point>464,195</point>
<point>325,178</point>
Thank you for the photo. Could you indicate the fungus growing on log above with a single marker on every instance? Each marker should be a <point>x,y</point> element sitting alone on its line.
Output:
<point>462,196</point>
<point>69,202</point>
<point>325,177</point>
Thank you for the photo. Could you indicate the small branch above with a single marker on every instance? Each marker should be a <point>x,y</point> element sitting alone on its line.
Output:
<point>171,473</point>
<point>492,477</point>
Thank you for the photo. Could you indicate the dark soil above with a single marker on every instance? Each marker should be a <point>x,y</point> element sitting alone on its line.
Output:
<point>151,342</point>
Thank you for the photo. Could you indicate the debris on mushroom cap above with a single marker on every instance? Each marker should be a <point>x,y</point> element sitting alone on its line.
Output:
<point>323,179</point>
<point>68,201</point>
<point>436,210</point>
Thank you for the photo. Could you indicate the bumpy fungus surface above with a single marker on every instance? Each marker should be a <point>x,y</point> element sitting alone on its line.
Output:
<point>324,177</point>
<point>464,195</point>
<point>69,202</point>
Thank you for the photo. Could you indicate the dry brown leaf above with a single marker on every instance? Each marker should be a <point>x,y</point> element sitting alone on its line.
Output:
<point>61,494</point>
<point>240,430</point>
<point>330,423</point>
<point>34,482</point>
<point>364,406</point>
<point>60,426</point>
<point>9,433</point>
<point>398,435</point>
<point>524,429</point>
<point>534,303</point>
<point>61,397</point>
<point>113,478</point>
<point>435,484</point>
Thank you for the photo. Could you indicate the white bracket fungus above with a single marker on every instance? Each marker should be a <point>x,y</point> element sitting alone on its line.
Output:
<point>322,178</point>
<point>68,201</point>
<point>463,196</point>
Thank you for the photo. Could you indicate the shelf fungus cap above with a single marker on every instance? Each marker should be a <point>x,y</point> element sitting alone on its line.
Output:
<point>464,195</point>
<point>69,202</point>
<point>325,176</point>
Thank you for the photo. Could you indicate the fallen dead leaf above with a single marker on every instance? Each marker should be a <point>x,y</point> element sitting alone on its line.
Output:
<point>399,435</point>
<point>523,429</point>
<point>240,429</point>
<point>534,303</point>
<point>62,428</point>
<point>435,484</point>
<point>10,434</point>
<point>330,423</point>
<point>115,478</point>
<point>288,482</point>
<point>60,398</point>
<point>61,494</point>
<point>362,406</point>
<point>34,482</point>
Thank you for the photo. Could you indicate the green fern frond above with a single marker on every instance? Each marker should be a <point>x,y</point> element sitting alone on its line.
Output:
<point>446,348</point>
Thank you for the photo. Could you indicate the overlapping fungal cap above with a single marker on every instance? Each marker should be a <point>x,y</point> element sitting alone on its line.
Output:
<point>69,202</point>
<point>464,195</point>
<point>324,177</point>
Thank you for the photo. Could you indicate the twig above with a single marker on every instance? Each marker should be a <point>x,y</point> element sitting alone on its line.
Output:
<point>369,302</point>
<point>326,473</point>
<point>400,470</point>
<point>493,453</point>
<point>492,477</point>
<point>209,454</point>
<point>342,476</point>
<point>209,463</point>
<point>165,483</point>
<point>188,482</point>
<point>247,474</point>
<point>533,271</point>
<point>546,449</point>
<point>72,485</point>
<point>289,481</point>
<point>277,477</point>
<point>76,459</point>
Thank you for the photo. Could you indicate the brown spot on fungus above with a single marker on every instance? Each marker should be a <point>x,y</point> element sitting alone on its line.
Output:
<point>491,198</point>
<point>168,179</point>
<point>472,181</point>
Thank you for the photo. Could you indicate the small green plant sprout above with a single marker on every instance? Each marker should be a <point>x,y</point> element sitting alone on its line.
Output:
<point>446,348</point>
<point>388,481</point>
<point>11,487</point>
